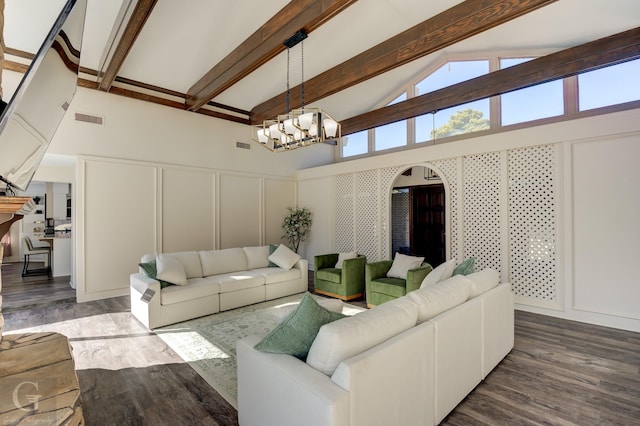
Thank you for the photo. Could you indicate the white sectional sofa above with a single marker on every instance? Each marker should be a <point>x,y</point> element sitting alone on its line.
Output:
<point>213,281</point>
<point>406,362</point>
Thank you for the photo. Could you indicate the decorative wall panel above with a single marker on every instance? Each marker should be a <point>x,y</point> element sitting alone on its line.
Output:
<point>532,222</point>
<point>482,232</point>
<point>189,228</point>
<point>367,215</point>
<point>345,229</point>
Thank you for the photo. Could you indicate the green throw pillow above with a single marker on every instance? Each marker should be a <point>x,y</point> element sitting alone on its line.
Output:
<point>272,248</point>
<point>295,334</point>
<point>151,271</point>
<point>466,267</point>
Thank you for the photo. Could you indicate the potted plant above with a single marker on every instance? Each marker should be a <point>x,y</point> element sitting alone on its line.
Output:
<point>296,226</point>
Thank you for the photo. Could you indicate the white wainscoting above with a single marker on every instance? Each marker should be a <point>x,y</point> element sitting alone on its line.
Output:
<point>129,208</point>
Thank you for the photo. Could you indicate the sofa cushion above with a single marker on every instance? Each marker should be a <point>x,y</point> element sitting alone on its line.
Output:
<point>333,275</point>
<point>438,298</point>
<point>350,336</point>
<point>465,267</point>
<point>276,275</point>
<point>190,261</point>
<point>441,272</point>
<point>257,257</point>
<point>170,269</point>
<point>234,281</point>
<point>344,256</point>
<point>401,265</point>
<point>390,286</point>
<point>482,281</point>
<point>215,262</point>
<point>149,269</point>
<point>295,334</point>
<point>284,257</point>
<point>196,288</point>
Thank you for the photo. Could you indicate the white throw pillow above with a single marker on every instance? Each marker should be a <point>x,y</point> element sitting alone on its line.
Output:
<point>482,281</point>
<point>344,256</point>
<point>170,269</point>
<point>436,299</point>
<point>284,257</point>
<point>440,273</point>
<point>347,337</point>
<point>401,265</point>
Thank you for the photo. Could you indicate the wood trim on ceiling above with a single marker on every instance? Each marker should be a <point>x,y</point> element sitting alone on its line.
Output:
<point>586,57</point>
<point>134,27</point>
<point>263,45</point>
<point>455,24</point>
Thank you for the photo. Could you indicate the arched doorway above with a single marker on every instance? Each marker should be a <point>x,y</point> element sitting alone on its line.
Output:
<point>418,215</point>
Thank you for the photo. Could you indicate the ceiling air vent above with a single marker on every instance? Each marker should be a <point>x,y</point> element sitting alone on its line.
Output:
<point>243,145</point>
<point>94,119</point>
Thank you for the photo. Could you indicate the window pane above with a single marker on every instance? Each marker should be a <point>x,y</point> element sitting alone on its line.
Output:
<point>467,118</point>
<point>532,103</point>
<point>452,73</point>
<point>394,134</point>
<point>391,135</point>
<point>447,75</point>
<point>355,144</point>
<point>609,86</point>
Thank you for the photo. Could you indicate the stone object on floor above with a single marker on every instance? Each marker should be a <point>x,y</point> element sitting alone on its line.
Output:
<point>38,380</point>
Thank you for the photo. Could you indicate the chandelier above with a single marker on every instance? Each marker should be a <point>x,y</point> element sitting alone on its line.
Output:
<point>299,127</point>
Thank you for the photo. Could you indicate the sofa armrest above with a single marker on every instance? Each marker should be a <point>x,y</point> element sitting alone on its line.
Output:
<point>416,276</point>
<point>277,389</point>
<point>302,264</point>
<point>325,261</point>
<point>373,271</point>
<point>141,282</point>
<point>353,269</point>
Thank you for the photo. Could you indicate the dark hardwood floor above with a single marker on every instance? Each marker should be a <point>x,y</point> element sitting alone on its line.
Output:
<point>559,373</point>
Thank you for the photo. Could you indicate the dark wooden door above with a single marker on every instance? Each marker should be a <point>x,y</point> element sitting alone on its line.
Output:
<point>427,223</point>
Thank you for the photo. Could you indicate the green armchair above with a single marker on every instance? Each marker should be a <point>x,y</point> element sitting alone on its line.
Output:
<point>346,283</point>
<point>380,288</point>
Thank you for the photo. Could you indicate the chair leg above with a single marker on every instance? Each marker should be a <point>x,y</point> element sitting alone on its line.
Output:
<point>26,265</point>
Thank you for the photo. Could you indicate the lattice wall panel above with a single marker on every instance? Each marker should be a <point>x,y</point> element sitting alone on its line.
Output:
<point>367,217</point>
<point>532,222</point>
<point>449,170</point>
<point>344,213</point>
<point>482,202</point>
<point>387,176</point>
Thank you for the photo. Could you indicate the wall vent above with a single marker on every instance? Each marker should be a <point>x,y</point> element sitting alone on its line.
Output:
<point>243,145</point>
<point>94,119</point>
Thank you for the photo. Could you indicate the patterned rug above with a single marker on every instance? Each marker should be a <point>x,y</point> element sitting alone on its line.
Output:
<point>208,344</point>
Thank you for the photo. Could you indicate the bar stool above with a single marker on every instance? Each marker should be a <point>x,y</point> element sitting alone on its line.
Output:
<point>28,250</point>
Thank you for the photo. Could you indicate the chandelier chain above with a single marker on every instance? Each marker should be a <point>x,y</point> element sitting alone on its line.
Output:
<point>302,73</point>
<point>288,90</point>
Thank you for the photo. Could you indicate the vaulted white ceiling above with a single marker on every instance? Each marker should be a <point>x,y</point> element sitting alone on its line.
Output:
<point>182,40</point>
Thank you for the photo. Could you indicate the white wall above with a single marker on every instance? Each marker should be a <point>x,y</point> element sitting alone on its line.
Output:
<point>153,179</point>
<point>595,197</point>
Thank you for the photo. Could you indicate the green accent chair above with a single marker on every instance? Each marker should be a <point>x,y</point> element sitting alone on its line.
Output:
<point>346,283</point>
<point>380,288</point>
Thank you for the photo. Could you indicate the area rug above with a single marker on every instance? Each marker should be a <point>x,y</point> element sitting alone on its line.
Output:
<point>208,344</point>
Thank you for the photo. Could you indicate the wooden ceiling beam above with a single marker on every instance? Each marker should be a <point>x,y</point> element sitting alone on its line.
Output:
<point>600,53</point>
<point>460,22</point>
<point>134,27</point>
<point>263,45</point>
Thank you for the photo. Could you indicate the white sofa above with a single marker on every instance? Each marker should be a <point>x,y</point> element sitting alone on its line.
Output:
<point>409,361</point>
<point>216,280</point>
